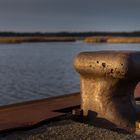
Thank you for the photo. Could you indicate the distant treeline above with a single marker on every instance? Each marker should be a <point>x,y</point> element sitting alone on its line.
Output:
<point>70,34</point>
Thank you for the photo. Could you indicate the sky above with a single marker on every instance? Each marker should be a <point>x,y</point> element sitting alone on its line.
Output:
<point>69,15</point>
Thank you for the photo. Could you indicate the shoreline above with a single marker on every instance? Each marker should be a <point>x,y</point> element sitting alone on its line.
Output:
<point>20,39</point>
<point>111,39</point>
<point>93,39</point>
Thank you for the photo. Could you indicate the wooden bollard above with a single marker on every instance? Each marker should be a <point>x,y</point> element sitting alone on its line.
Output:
<point>108,80</point>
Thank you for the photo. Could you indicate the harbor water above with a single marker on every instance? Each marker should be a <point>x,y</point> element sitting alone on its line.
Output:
<point>31,71</point>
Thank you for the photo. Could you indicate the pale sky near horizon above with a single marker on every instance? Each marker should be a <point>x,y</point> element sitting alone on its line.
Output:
<point>69,15</point>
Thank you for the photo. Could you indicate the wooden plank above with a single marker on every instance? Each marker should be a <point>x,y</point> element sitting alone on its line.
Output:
<point>30,113</point>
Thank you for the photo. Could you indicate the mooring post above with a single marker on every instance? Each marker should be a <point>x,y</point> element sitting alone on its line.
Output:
<point>108,80</point>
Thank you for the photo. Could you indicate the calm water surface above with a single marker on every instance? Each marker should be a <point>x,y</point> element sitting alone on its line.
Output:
<point>38,70</point>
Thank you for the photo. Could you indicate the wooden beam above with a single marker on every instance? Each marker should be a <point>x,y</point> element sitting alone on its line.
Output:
<point>27,114</point>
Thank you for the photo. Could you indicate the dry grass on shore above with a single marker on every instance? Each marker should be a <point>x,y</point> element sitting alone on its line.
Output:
<point>96,39</point>
<point>110,39</point>
<point>20,39</point>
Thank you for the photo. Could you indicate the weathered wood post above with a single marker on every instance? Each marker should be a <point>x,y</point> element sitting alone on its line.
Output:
<point>108,80</point>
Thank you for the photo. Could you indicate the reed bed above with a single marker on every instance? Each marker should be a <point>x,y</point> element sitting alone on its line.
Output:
<point>110,39</point>
<point>20,39</point>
